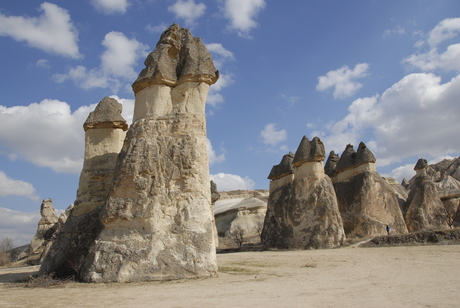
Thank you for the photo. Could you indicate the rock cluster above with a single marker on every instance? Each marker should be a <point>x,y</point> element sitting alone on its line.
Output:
<point>424,209</point>
<point>157,220</point>
<point>105,130</point>
<point>302,210</point>
<point>367,201</point>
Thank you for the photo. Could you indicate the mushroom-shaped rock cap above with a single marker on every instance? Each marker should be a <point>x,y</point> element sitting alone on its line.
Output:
<point>178,57</point>
<point>347,159</point>
<point>106,115</point>
<point>284,168</point>
<point>421,164</point>
<point>364,155</point>
<point>331,163</point>
<point>309,151</point>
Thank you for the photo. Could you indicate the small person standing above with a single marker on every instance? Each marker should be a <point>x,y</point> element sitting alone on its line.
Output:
<point>388,230</point>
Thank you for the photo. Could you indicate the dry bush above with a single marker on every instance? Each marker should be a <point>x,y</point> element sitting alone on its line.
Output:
<point>45,281</point>
<point>237,236</point>
<point>6,245</point>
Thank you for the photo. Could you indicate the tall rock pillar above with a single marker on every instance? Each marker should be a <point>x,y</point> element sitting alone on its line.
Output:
<point>158,220</point>
<point>105,130</point>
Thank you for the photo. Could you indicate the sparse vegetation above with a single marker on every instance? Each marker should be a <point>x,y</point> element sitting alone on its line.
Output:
<point>45,281</point>
<point>237,235</point>
<point>6,245</point>
<point>449,217</point>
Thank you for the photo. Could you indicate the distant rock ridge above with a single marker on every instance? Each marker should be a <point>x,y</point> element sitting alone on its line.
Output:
<point>367,201</point>
<point>235,194</point>
<point>302,209</point>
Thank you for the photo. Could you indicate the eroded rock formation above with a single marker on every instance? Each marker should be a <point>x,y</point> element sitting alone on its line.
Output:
<point>46,227</point>
<point>302,209</point>
<point>157,219</point>
<point>424,209</point>
<point>105,130</point>
<point>367,202</point>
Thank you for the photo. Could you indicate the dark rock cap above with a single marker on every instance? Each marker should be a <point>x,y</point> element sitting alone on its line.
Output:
<point>347,159</point>
<point>107,114</point>
<point>284,168</point>
<point>364,155</point>
<point>331,163</point>
<point>421,164</point>
<point>308,151</point>
<point>178,57</point>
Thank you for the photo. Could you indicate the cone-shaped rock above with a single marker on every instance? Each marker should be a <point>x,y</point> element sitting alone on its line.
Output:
<point>367,202</point>
<point>331,164</point>
<point>425,210</point>
<point>158,220</point>
<point>105,130</point>
<point>302,209</point>
<point>46,227</point>
<point>283,169</point>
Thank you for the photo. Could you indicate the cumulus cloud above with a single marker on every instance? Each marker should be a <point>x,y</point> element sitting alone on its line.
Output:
<point>188,10</point>
<point>227,182</point>
<point>111,6</point>
<point>19,226</point>
<point>220,55</point>
<point>272,136</point>
<point>417,115</point>
<point>52,32</point>
<point>49,134</point>
<point>9,186</point>
<point>212,156</point>
<point>241,14</point>
<point>432,59</point>
<point>117,62</point>
<point>343,80</point>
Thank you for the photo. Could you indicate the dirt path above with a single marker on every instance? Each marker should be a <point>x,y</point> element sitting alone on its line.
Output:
<point>414,276</point>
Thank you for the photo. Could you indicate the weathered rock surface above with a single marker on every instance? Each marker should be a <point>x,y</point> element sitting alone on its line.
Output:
<point>424,209</point>
<point>241,212</point>
<point>46,227</point>
<point>302,209</point>
<point>367,202</point>
<point>104,134</point>
<point>158,220</point>
<point>214,197</point>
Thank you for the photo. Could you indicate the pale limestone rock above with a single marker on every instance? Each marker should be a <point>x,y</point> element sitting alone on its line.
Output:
<point>104,134</point>
<point>158,220</point>
<point>302,209</point>
<point>367,202</point>
<point>214,197</point>
<point>425,210</point>
<point>46,227</point>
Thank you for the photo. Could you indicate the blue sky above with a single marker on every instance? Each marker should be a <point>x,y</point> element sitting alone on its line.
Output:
<point>382,72</point>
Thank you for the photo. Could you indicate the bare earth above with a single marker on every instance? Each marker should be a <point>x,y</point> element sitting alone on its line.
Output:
<point>410,276</point>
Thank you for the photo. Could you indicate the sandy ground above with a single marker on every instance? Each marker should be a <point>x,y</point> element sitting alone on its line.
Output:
<point>411,276</point>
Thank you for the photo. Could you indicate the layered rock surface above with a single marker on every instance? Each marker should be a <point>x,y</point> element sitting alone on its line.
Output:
<point>158,222</point>
<point>302,210</point>
<point>105,130</point>
<point>367,202</point>
<point>424,209</point>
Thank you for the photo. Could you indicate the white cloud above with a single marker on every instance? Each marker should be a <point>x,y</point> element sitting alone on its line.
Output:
<point>53,31</point>
<point>343,80</point>
<point>398,30</point>
<point>43,63</point>
<point>432,59</point>
<point>227,182</point>
<point>187,10</point>
<point>220,55</point>
<point>272,136</point>
<point>214,97</point>
<point>212,156</point>
<point>111,6</point>
<point>241,14</point>
<point>117,63</point>
<point>156,29</point>
<point>19,226</point>
<point>49,134</point>
<point>403,172</point>
<point>9,186</point>
<point>416,116</point>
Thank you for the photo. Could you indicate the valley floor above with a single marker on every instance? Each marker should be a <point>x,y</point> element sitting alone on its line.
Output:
<point>407,276</point>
